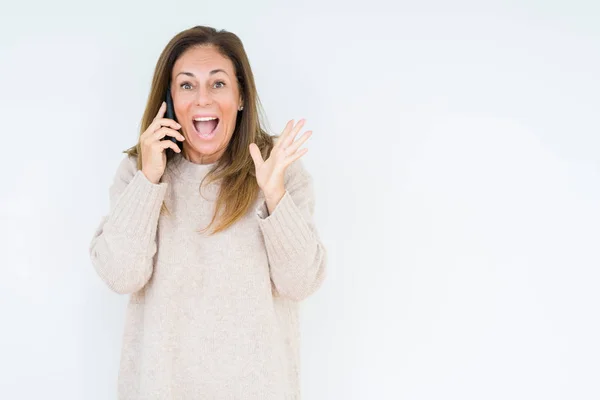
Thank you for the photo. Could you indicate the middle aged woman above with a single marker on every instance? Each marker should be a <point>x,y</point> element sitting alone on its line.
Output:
<point>211,315</point>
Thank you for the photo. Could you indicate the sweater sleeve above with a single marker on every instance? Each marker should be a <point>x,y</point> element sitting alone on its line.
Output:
<point>124,244</point>
<point>297,257</point>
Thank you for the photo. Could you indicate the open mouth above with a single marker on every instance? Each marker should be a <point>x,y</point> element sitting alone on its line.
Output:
<point>206,129</point>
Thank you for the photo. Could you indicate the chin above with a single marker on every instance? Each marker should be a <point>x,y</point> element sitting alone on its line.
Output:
<point>203,147</point>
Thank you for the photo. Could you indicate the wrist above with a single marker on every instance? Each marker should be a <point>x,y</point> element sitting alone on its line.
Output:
<point>150,178</point>
<point>272,199</point>
<point>274,196</point>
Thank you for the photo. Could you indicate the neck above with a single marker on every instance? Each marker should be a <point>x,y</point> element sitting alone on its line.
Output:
<point>198,158</point>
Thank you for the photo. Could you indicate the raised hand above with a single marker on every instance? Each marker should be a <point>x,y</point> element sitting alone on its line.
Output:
<point>270,173</point>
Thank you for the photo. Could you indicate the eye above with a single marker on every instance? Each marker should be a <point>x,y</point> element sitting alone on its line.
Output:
<point>185,84</point>
<point>217,82</point>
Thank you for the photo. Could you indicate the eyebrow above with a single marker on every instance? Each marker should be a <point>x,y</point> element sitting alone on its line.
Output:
<point>214,71</point>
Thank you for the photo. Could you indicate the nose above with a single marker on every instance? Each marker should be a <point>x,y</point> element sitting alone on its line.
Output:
<point>203,97</point>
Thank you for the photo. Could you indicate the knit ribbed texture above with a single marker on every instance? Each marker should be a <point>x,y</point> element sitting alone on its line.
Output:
<point>124,244</point>
<point>291,243</point>
<point>209,317</point>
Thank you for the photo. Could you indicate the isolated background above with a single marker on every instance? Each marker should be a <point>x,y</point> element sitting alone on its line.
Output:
<point>455,158</point>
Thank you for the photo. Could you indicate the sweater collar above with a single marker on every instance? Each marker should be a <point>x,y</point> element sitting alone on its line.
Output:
<point>187,170</point>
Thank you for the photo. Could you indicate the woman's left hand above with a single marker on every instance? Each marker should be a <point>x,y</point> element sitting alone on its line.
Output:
<point>270,173</point>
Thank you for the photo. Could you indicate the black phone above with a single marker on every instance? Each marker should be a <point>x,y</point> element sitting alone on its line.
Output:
<point>170,113</point>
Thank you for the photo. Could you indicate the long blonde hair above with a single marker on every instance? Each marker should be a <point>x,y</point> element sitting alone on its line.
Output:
<point>235,168</point>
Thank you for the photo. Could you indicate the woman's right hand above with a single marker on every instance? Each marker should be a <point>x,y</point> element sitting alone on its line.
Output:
<point>154,158</point>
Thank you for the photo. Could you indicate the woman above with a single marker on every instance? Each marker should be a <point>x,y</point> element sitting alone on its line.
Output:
<point>212,315</point>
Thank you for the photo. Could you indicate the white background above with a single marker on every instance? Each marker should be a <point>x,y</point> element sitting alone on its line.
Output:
<point>455,157</point>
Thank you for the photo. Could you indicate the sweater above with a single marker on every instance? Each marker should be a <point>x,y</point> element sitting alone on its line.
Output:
<point>208,317</point>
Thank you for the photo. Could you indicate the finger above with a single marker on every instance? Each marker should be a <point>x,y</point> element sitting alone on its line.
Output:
<point>159,121</point>
<point>156,125</point>
<point>169,122</point>
<point>161,110</point>
<point>165,144</point>
<point>293,133</point>
<point>295,156</point>
<point>255,154</point>
<point>164,131</point>
<point>284,134</point>
<point>296,145</point>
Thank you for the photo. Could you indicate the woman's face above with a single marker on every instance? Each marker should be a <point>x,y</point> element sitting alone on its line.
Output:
<point>204,85</point>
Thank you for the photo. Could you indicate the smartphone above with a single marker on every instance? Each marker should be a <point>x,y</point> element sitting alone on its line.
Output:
<point>170,113</point>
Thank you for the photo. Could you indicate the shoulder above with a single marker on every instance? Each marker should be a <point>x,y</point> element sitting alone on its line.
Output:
<point>124,174</point>
<point>127,168</point>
